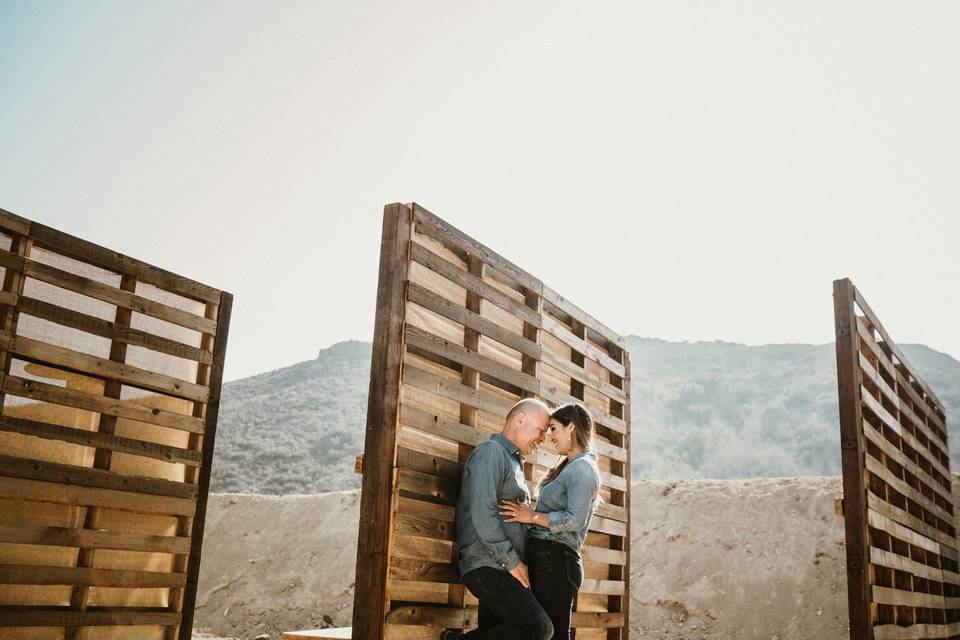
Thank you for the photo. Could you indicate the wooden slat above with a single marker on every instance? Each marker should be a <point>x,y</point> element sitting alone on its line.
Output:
<point>110,330</point>
<point>562,333</point>
<point>437,617</point>
<point>862,303</point>
<point>455,274</point>
<point>597,619</point>
<point>443,307</point>
<point>102,257</point>
<point>129,409</point>
<point>440,426</point>
<point>897,530</point>
<point>916,631</point>
<point>93,539</point>
<point>890,450</point>
<point>12,223</point>
<point>26,469</point>
<point>606,587</point>
<point>94,617</point>
<point>446,234</point>
<point>58,493</point>
<point>420,339</point>
<point>99,440</point>
<point>612,527</point>
<point>900,563</point>
<point>103,368</point>
<point>454,390</point>
<point>583,317</point>
<point>876,468</point>
<point>878,410</point>
<point>908,520</point>
<point>581,375</point>
<point>899,597</point>
<point>422,571</point>
<point>606,556</point>
<point>125,299</point>
<point>410,459</point>
<point>46,575</point>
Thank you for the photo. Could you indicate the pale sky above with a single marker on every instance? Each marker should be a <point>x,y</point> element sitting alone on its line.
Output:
<point>685,170</point>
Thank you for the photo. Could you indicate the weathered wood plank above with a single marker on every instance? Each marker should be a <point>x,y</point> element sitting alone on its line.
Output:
<point>102,367</point>
<point>102,257</point>
<point>110,330</point>
<point>26,469</point>
<point>99,440</point>
<point>129,409</point>
<point>455,274</point>
<point>59,493</point>
<point>421,339</point>
<point>443,307</point>
<point>94,617</point>
<point>47,575</point>
<point>93,539</point>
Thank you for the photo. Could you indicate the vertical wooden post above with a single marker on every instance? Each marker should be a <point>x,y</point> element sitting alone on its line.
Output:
<point>102,458</point>
<point>621,604</point>
<point>468,414</point>
<point>210,414</point>
<point>375,529</point>
<point>852,459</point>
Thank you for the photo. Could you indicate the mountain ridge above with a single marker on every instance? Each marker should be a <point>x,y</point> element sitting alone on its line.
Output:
<point>704,409</point>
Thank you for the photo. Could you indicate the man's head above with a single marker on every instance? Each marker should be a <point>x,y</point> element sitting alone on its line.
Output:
<point>526,425</point>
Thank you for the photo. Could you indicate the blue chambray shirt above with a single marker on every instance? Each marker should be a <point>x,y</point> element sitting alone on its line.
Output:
<point>493,472</point>
<point>569,501</point>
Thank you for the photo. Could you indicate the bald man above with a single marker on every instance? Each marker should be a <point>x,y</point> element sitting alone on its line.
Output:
<point>492,552</point>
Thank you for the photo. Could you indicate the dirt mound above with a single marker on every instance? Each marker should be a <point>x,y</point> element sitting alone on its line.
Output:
<point>726,559</point>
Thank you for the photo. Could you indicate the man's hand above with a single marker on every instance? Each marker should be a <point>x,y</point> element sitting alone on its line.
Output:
<point>520,573</point>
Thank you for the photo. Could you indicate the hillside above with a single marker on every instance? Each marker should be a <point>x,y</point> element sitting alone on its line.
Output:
<point>700,410</point>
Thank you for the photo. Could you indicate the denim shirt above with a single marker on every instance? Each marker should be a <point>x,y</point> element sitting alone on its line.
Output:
<point>493,472</point>
<point>569,501</point>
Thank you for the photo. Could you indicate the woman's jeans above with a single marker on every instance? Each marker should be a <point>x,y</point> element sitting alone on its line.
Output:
<point>508,610</point>
<point>556,573</point>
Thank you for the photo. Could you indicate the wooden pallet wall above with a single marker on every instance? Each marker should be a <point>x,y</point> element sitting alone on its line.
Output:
<point>902,553</point>
<point>461,334</point>
<point>109,392</point>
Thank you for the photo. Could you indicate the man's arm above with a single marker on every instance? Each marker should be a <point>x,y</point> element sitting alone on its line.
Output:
<point>483,473</point>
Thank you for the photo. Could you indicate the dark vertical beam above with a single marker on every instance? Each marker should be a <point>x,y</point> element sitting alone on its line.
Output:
<point>852,459</point>
<point>625,409</point>
<point>373,539</point>
<point>211,413</point>
<point>102,458</point>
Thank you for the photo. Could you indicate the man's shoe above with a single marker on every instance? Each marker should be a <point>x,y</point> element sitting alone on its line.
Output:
<point>450,634</point>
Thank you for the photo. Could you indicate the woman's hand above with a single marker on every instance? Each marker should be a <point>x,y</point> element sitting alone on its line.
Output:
<point>516,511</point>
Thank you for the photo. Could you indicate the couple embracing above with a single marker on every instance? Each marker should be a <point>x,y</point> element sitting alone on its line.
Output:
<point>524,565</point>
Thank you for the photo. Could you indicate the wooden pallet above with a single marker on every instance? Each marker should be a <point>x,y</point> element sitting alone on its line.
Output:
<point>461,334</point>
<point>109,391</point>
<point>903,574</point>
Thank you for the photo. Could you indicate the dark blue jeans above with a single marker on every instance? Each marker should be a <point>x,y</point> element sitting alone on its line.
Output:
<point>508,610</point>
<point>556,573</point>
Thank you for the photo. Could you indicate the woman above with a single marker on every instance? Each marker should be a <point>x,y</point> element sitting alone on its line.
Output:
<point>569,494</point>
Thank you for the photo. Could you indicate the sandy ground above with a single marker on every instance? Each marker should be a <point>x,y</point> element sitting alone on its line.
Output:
<point>711,560</point>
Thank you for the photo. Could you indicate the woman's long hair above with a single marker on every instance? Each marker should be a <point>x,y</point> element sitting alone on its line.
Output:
<point>582,433</point>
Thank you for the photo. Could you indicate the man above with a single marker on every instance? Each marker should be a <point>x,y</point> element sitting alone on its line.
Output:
<point>491,551</point>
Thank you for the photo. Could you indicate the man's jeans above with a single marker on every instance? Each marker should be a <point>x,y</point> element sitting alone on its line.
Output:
<point>508,610</point>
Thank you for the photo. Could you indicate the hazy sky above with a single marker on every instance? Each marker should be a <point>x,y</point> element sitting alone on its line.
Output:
<point>681,170</point>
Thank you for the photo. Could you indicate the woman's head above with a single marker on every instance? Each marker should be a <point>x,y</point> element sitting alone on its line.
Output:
<point>571,428</point>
